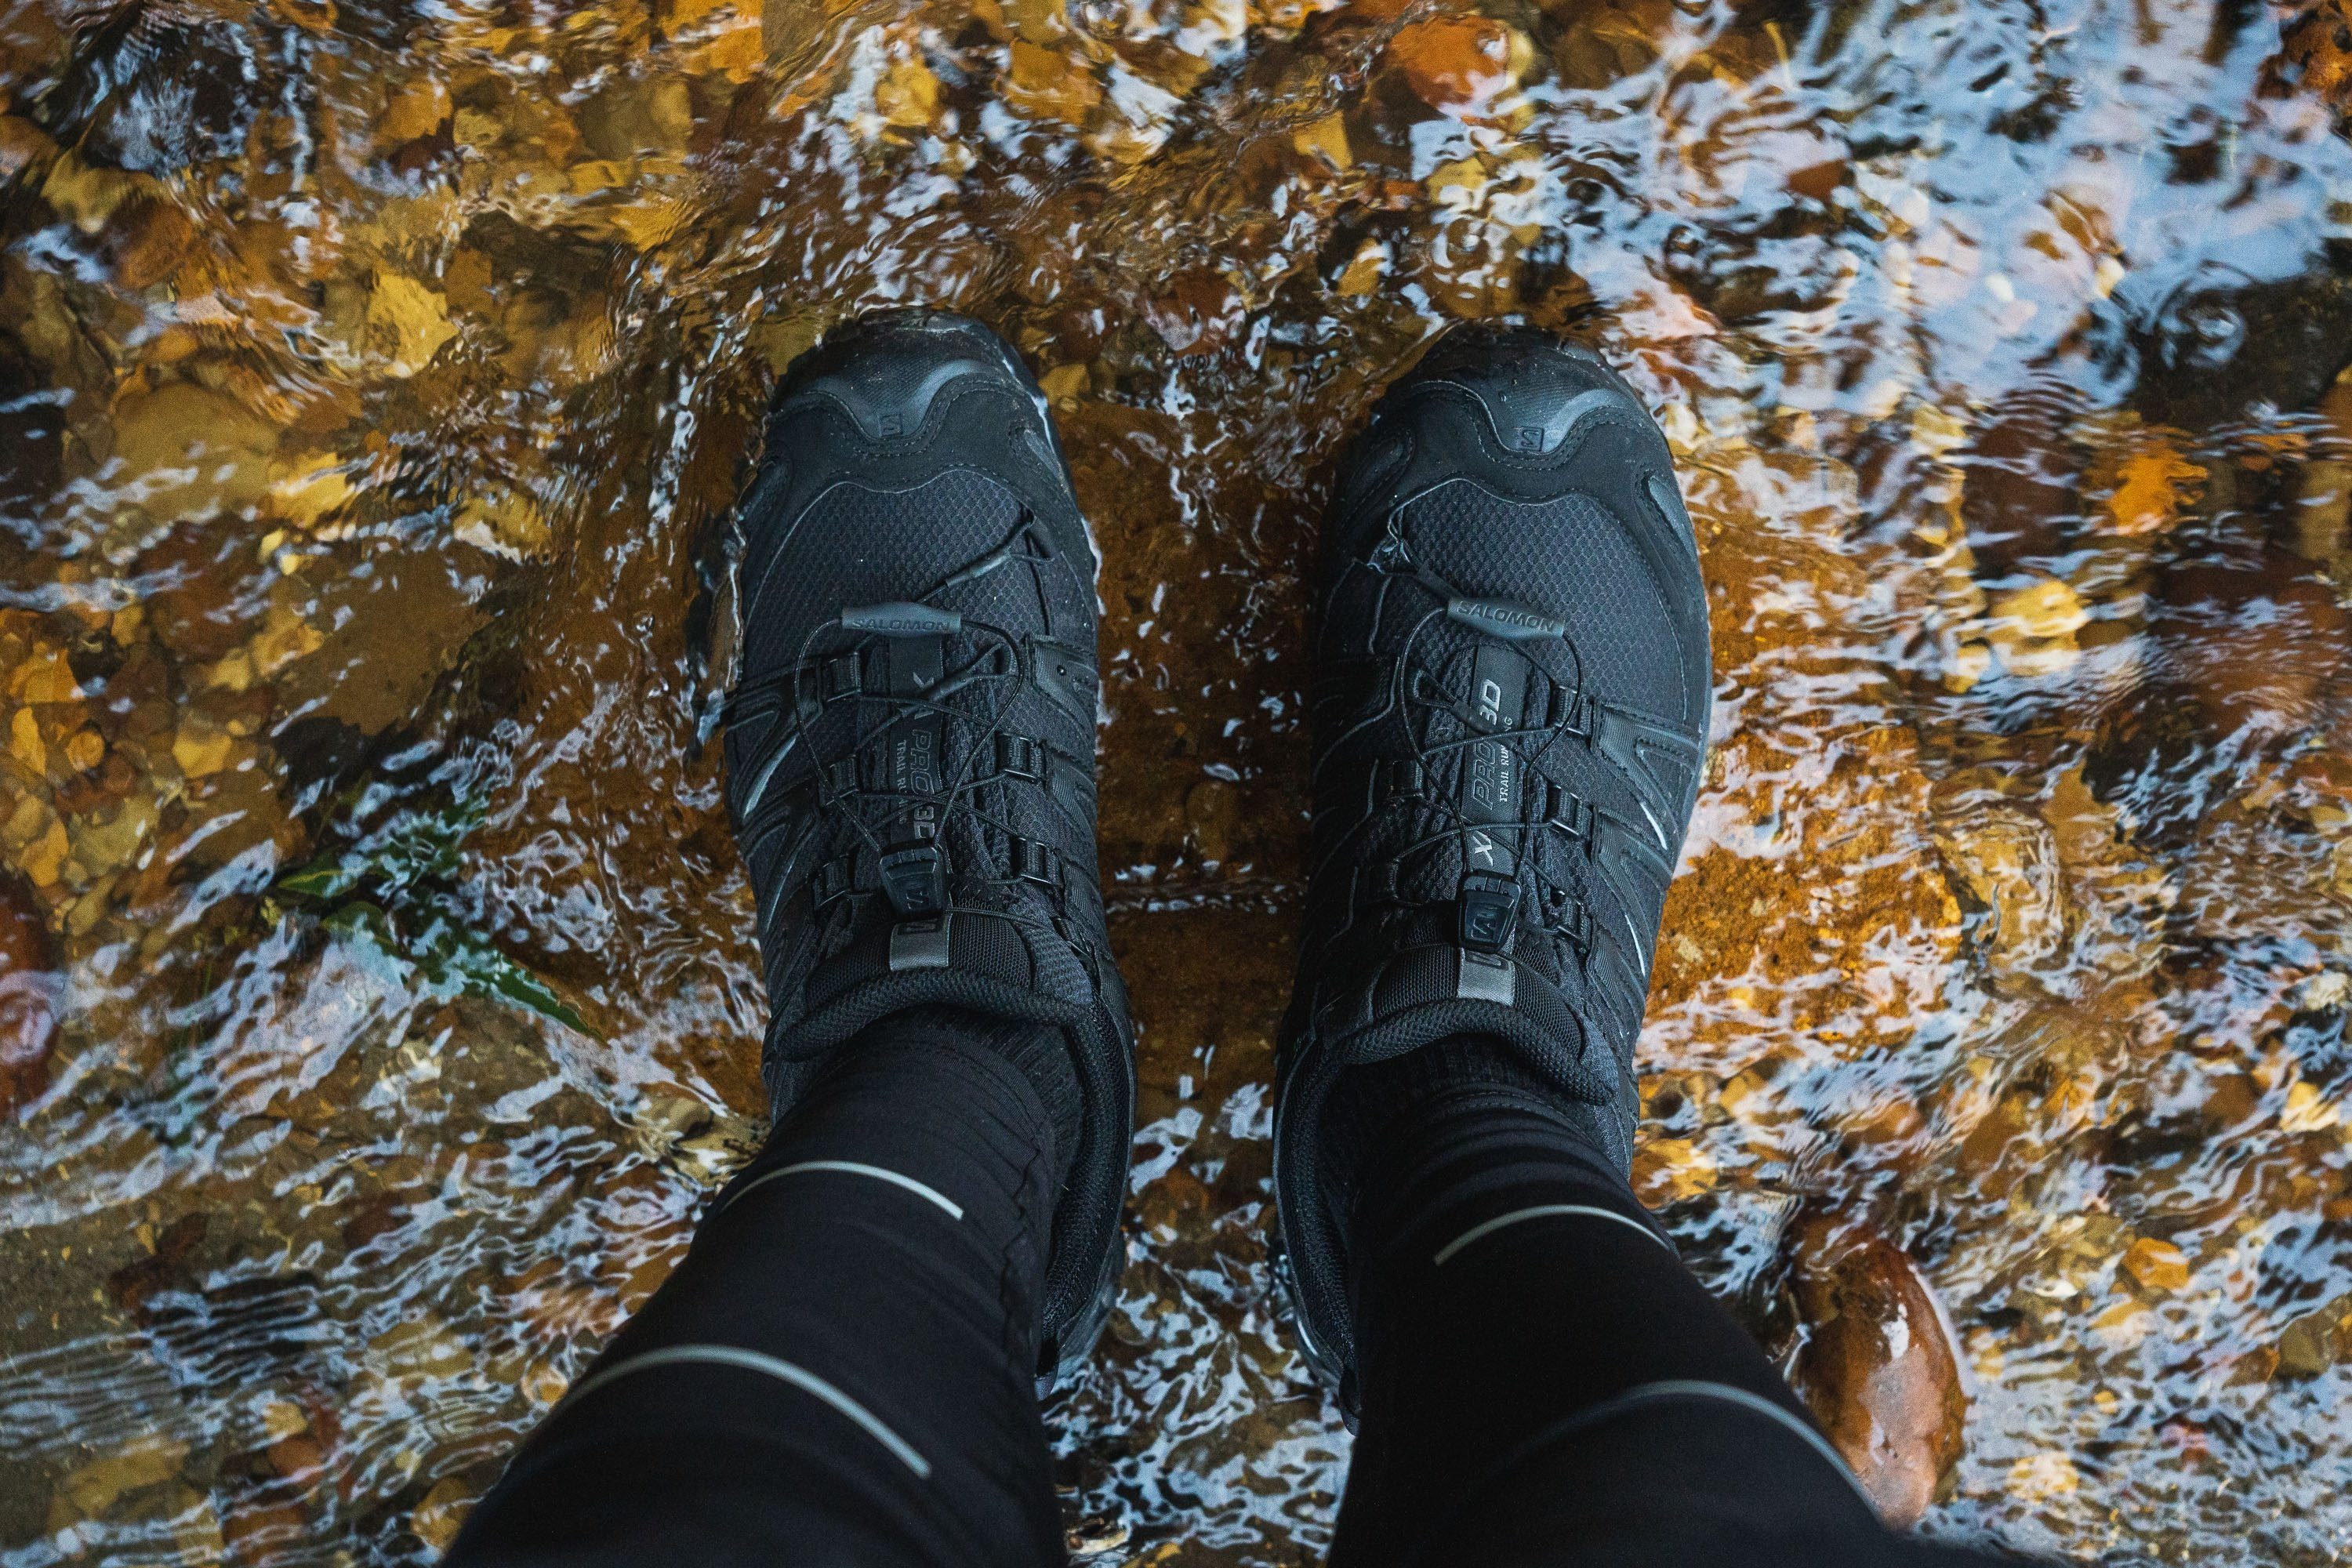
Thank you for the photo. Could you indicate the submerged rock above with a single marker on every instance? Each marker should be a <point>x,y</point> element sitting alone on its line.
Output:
<point>2255,642</point>
<point>1875,1362</point>
<point>28,996</point>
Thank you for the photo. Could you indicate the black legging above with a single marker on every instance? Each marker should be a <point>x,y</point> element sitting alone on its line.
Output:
<point>840,1371</point>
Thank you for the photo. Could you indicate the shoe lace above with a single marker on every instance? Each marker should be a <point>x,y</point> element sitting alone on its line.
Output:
<point>1416,690</point>
<point>903,821</point>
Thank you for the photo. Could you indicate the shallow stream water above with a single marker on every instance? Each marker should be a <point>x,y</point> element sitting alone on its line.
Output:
<point>373,381</point>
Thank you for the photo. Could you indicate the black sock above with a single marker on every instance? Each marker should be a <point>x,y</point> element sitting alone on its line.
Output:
<point>1039,1050</point>
<point>1373,1106</point>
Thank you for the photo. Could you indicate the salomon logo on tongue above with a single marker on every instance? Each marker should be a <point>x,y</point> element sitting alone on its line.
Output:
<point>901,620</point>
<point>1502,618</point>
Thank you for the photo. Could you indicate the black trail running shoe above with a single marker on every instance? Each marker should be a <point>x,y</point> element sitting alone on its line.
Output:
<point>1511,710</point>
<point>910,739</point>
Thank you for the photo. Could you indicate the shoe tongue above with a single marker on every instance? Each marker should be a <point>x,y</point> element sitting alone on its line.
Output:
<point>1432,991</point>
<point>995,964</point>
<point>912,763</point>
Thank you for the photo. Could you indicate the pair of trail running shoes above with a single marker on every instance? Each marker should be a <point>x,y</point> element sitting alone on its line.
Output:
<point>1510,706</point>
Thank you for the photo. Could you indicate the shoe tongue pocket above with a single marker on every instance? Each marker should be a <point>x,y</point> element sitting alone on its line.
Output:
<point>1491,785</point>
<point>1490,800</point>
<point>914,760</point>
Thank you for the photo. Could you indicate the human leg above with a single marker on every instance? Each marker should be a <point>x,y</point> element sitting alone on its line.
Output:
<point>910,777</point>
<point>1511,709</point>
<point>843,1369</point>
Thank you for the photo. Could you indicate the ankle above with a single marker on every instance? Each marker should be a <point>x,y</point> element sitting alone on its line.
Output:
<point>1015,1075</point>
<point>1423,1147</point>
<point>1387,1121</point>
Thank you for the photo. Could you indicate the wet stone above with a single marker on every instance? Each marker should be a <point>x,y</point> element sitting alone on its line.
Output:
<point>31,995</point>
<point>1876,1362</point>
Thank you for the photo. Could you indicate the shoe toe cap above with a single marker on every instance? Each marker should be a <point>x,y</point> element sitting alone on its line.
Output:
<point>1533,391</point>
<point>886,372</point>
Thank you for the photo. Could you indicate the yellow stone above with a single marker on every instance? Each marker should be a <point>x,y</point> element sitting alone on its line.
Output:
<point>2157,1265</point>
<point>472,128</point>
<point>85,749</point>
<point>1326,139</point>
<point>27,821</point>
<point>44,857</point>
<point>2033,628</point>
<point>443,1510</point>
<point>2045,608</point>
<point>1743,1093</point>
<point>101,847</point>
<point>1064,383</point>
<point>2039,1478</point>
<point>908,95</point>
<point>739,51</point>
<point>1364,270</point>
<point>543,1385</point>
<point>591,175</point>
<point>653,221</point>
<point>1674,1168</point>
<point>46,677</point>
<point>305,489</point>
<point>188,451</point>
<point>284,637</point>
<point>233,672</point>
<point>1935,432</point>
<point>417,108</point>
<point>505,523</point>
<point>670,107</point>
<point>1047,84</point>
<point>25,742</point>
<point>1039,22</point>
<point>2149,498</point>
<point>2307,1110</point>
<point>84,194</point>
<point>200,751</point>
<point>407,321</point>
<point>282,1418</point>
<point>141,1463</point>
<point>1969,663</point>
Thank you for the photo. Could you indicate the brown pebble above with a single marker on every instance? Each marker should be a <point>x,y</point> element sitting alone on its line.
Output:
<point>29,988</point>
<point>1198,313</point>
<point>260,1532</point>
<point>2024,480</point>
<point>300,1456</point>
<point>199,576</point>
<point>1876,1363</point>
<point>85,749</point>
<point>133,1285</point>
<point>145,240</point>
<point>1459,63</point>
<point>2254,642</point>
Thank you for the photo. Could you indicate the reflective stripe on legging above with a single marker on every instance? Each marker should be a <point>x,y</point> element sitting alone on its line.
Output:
<point>854,1168</point>
<point>783,1371</point>
<point>1539,1211</point>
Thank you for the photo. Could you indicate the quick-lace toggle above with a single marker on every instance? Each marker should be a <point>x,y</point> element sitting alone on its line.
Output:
<point>1490,910</point>
<point>915,877</point>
